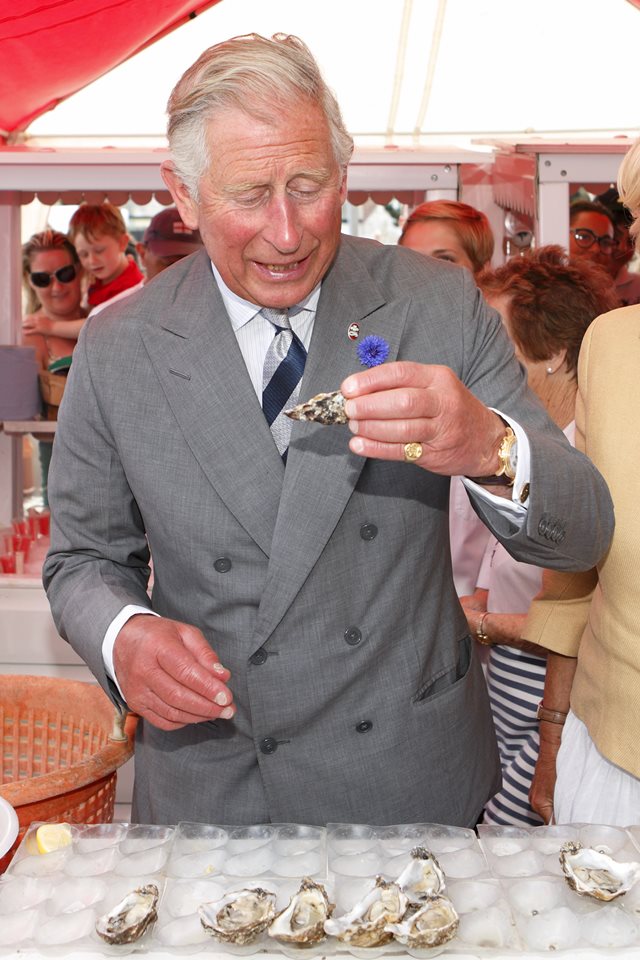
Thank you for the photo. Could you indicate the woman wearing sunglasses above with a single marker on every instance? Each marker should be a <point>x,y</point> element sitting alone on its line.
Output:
<point>52,278</point>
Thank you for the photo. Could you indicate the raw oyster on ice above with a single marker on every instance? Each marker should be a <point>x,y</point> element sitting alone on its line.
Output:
<point>302,921</point>
<point>239,916</point>
<point>325,408</point>
<point>592,873</point>
<point>422,877</point>
<point>434,922</point>
<point>364,925</point>
<point>131,917</point>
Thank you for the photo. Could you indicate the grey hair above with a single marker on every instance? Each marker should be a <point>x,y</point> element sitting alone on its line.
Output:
<point>249,73</point>
<point>629,188</point>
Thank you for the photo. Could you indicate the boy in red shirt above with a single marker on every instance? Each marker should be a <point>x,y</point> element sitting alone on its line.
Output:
<point>100,237</point>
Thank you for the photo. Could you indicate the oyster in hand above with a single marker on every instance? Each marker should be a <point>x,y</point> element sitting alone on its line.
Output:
<point>325,408</point>
<point>594,874</point>
<point>131,917</point>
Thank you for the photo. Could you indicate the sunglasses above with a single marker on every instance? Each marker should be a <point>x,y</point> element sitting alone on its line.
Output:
<point>586,238</point>
<point>64,275</point>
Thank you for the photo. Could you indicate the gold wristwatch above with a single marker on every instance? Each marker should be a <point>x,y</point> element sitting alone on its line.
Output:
<point>508,459</point>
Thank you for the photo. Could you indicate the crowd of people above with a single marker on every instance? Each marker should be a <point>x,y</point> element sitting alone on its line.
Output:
<point>67,277</point>
<point>355,622</point>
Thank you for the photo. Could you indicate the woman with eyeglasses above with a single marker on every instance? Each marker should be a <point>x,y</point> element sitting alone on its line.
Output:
<point>52,278</point>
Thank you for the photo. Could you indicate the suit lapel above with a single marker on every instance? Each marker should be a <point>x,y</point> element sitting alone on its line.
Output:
<point>321,473</point>
<point>197,360</point>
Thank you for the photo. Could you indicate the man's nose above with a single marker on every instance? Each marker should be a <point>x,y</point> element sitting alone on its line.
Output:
<point>283,230</point>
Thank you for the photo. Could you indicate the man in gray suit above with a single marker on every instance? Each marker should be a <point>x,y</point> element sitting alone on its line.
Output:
<point>303,656</point>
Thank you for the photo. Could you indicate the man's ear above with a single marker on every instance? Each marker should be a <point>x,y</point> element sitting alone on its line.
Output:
<point>187,208</point>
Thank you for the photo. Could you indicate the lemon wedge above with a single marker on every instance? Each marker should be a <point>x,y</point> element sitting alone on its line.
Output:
<point>53,836</point>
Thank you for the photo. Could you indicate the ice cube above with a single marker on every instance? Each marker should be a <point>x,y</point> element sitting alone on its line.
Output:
<point>468,895</point>
<point>148,860</point>
<point>76,894</point>
<point>462,864</point>
<point>250,862</point>
<point>66,928</point>
<point>609,927</point>
<point>201,863</point>
<point>184,896</point>
<point>486,928</point>
<point>181,931</point>
<point>18,927</point>
<point>92,864</point>
<point>533,896</point>
<point>365,864</point>
<point>20,893</point>
<point>556,929</point>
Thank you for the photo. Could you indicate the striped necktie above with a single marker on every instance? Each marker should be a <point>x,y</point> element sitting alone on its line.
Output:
<point>282,373</point>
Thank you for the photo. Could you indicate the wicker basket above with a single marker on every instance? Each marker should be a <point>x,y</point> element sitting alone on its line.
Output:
<point>58,758</point>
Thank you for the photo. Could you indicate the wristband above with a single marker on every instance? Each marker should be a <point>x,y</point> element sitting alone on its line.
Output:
<point>481,636</point>
<point>552,716</point>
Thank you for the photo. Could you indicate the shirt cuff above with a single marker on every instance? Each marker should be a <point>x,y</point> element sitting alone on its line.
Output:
<point>516,508</point>
<point>110,636</point>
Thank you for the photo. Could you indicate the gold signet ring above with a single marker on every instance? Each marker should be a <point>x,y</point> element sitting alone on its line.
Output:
<point>412,452</point>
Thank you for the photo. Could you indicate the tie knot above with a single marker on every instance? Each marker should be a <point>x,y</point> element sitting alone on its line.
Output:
<point>278,316</point>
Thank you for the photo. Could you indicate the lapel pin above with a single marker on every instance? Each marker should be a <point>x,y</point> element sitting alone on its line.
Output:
<point>354,331</point>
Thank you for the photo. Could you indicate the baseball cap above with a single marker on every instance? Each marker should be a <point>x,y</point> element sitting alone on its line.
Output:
<point>168,236</point>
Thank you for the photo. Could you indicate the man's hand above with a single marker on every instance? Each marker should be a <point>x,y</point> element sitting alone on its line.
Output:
<point>544,778</point>
<point>169,674</point>
<point>404,402</point>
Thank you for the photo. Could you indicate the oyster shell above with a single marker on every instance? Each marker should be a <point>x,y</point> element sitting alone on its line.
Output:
<point>302,921</point>
<point>592,873</point>
<point>325,408</point>
<point>364,925</point>
<point>434,922</point>
<point>240,916</point>
<point>421,877</point>
<point>129,919</point>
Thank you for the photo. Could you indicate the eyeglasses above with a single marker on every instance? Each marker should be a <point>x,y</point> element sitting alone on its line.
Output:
<point>585,238</point>
<point>64,275</point>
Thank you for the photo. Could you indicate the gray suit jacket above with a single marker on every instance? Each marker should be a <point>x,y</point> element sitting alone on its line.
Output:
<point>326,589</point>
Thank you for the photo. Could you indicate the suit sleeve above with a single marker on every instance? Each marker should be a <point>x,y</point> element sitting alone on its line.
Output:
<point>569,522</point>
<point>99,558</point>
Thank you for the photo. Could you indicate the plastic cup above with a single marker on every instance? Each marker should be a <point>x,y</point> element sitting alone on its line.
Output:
<point>44,519</point>
<point>22,544</point>
<point>8,562</point>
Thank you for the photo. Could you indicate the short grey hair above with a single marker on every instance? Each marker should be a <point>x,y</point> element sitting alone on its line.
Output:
<point>249,73</point>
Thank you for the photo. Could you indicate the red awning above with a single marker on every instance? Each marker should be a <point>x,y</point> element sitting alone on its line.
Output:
<point>51,49</point>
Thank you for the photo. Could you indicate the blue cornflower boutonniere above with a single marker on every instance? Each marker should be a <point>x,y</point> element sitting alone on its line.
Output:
<point>372,351</point>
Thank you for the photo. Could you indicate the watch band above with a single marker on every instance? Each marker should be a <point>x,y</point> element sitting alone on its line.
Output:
<point>552,716</point>
<point>506,474</point>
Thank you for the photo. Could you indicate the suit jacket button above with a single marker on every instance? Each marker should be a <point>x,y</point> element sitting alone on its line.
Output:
<point>353,636</point>
<point>368,531</point>
<point>222,565</point>
<point>364,726</point>
<point>259,657</point>
<point>268,745</point>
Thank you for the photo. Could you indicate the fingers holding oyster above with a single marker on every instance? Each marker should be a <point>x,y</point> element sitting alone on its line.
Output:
<point>420,413</point>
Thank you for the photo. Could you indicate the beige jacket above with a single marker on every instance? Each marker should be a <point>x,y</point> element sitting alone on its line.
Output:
<point>595,616</point>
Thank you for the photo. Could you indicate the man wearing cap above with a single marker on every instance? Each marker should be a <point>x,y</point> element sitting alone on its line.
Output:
<point>166,240</point>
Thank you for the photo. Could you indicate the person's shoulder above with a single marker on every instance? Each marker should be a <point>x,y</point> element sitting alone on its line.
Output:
<point>616,326</point>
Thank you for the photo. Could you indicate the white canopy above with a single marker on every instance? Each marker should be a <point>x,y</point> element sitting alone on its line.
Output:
<point>406,72</point>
